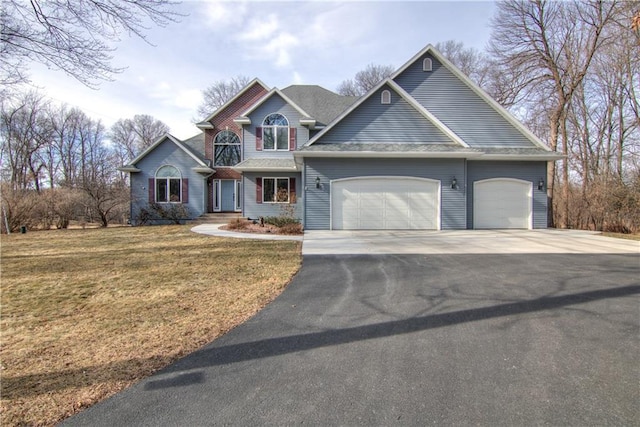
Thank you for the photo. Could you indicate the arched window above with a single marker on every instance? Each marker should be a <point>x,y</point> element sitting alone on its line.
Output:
<point>226,149</point>
<point>427,64</point>
<point>275,132</point>
<point>385,97</point>
<point>168,185</point>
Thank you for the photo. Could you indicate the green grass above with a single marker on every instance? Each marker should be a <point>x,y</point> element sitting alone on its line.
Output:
<point>85,313</point>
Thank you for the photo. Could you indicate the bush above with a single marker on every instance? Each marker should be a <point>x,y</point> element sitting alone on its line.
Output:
<point>280,221</point>
<point>174,212</point>
<point>238,224</point>
<point>291,229</point>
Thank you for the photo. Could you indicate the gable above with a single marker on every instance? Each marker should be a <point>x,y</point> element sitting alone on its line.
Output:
<point>372,122</point>
<point>457,106</point>
<point>167,153</point>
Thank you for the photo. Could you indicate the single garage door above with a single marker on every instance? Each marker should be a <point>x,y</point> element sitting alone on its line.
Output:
<point>385,203</point>
<point>502,203</point>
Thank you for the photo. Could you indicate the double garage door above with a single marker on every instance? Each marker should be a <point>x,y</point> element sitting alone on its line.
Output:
<point>385,203</point>
<point>397,203</point>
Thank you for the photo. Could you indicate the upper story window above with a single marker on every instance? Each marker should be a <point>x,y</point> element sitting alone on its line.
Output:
<point>275,132</point>
<point>168,185</point>
<point>385,97</point>
<point>226,149</point>
<point>427,64</point>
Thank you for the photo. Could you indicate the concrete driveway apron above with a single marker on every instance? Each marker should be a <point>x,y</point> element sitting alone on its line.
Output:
<point>445,338</point>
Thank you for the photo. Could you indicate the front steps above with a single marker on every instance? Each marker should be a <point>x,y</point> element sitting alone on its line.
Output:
<point>216,218</point>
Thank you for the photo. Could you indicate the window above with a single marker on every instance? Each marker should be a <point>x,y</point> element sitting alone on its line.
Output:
<point>385,98</point>
<point>168,185</point>
<point>226,149</point>
<point>275,132</point>
<point>275,190</point>
<point>427,64</point>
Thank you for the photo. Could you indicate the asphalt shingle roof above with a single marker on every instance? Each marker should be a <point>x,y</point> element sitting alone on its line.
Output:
<point>322,104</point>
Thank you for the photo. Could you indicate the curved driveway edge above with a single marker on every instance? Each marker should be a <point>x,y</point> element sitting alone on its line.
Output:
<point>214,230</point>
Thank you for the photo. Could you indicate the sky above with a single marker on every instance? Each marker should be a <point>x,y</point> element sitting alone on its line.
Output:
<point>281,43</point>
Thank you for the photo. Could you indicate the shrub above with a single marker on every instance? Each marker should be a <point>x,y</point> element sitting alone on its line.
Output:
<point>174,212</point>
<point>291,229</point>
<point>238,224</point>
<point>280,221</point>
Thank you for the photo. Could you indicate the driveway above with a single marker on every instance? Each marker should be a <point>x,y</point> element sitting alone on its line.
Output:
<point>416,339</point>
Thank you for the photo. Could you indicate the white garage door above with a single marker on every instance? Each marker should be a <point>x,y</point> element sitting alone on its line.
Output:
<point>385,203</point>
<point>502,203</point>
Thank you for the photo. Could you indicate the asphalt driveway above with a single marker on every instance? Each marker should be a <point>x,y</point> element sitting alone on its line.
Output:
<point>446,339</point>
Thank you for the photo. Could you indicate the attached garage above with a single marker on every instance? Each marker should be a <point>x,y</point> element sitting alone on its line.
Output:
<point>502,203</point>
<point>385,203</point>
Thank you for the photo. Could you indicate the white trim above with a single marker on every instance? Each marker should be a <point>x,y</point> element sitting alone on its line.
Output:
<point>393,154</point>
<point>404,95</point>
<point>529,184</point>
<point>427,64</point>
<point>230,101</point>
<point>477,89</point>
<point>168,189</point>
<point>268,95</point>
<point>388,178</point>
<point>275,142</point>
<point>238,195</point>
<point>275,178</point>
<point>173,139</point>
<point>385,94</point>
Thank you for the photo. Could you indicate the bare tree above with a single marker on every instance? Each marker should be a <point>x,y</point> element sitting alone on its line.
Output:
<point>364,80</point>
<point>220,92</point>
<point>131,136</point>
<point>73,36</point>
<point>550,46</point>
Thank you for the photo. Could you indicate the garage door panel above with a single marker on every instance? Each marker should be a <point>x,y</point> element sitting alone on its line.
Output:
<point>502,203</point>
<point>385,203</point>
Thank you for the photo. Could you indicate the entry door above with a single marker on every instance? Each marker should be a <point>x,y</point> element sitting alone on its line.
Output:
<point>227,196</point>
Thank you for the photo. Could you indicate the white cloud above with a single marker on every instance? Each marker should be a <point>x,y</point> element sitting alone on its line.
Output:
<point>220,15</point>
<point>297,78</point>
<point>188,99</point>
<point>261,29</point>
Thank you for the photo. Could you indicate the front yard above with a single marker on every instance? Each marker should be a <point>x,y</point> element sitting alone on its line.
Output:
<point>85,313</point>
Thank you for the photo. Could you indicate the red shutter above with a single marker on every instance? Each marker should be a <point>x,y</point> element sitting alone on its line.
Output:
<point>185,190</point>
<point>292,190</point>
<point>258,139</point>
<point>258,190</point>
<point>152,190</point>
<point>292,139</point>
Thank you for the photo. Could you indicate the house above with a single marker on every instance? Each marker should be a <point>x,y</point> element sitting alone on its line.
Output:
<point>424,149</point>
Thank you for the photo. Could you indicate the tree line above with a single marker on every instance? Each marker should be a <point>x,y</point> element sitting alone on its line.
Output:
<point>58,165</point>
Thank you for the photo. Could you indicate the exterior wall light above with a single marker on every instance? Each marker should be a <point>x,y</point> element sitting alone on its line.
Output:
<point>541,184</point>
<point>454,183</point>
<point>317,182</point>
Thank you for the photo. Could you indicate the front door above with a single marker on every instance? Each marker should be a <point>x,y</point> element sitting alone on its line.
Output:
<point>227,196</point>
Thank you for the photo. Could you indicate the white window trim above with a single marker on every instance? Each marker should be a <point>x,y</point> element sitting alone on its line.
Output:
<point>276,188</point>
<point>239,143</point>
<point>427,64</point>
<point>275,130</point>
<point>168,194</point>
<point>385,97</point>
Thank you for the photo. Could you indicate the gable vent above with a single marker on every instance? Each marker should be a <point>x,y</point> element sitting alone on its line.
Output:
<point>385,97</point>
<point>427,64</point>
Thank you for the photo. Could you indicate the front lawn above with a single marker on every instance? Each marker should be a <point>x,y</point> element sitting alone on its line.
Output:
<point>85,313</point>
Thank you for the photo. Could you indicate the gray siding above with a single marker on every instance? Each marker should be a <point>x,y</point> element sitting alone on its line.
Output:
<point>253,209</point>
<point>528,171</point>
<point>167,153</point>
<point>317,206</point>
<point>458,107</point>
<point>275,104</point>
<point>374,122</point>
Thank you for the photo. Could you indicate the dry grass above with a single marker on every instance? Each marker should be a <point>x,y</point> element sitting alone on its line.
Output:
<point>85,313</point>
<point>634,236</point>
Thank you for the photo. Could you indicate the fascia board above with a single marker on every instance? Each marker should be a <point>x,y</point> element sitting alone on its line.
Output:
<point>481,93</point>
<point>275,91</point>
<point>377,154</point>
<point>427,114</point>
<point>236,96</point>
<point>552,156</point>
<point>176,142</point>
<point>346,112</point>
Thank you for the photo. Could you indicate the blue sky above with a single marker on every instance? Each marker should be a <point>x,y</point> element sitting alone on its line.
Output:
<point>281,43</point>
